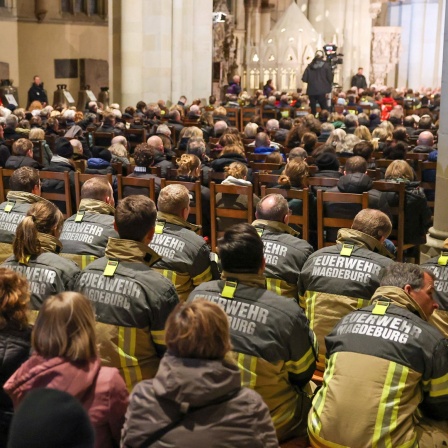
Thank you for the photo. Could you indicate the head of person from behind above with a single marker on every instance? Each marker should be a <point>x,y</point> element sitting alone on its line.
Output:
<point>42,218</point>
<point>99,189</point>
<point>25,179</point>
<point>135,219</point>
<point>273,207</point>
<point>373,223</point>
<point>418,283</point>
<point>65,328</point>
<point>198,330</point>
<point>174,199</point>
<point>241,250</point>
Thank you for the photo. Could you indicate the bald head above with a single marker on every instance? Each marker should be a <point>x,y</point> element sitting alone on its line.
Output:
<point>273,207</point>
<point>297,153</point>
<point>156,142</point>
<point>425,138</point>
<point>99,189</point>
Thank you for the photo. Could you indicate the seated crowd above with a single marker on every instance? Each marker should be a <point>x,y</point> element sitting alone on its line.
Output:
<point>191,298</point>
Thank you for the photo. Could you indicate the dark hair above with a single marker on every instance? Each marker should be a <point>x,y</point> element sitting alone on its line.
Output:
<point>241,249</point>
<point>198,330</point>
<point>144,155</point>
<point>395,151</point>
<point>363,149</point>
<point>425,123</point>
<point>14,299</point>
<point>400,133</point>
<point>134,217</point>
<point>24,179</point>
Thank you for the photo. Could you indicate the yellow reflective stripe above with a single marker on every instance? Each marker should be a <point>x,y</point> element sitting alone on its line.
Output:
<point>123,356</point>
<point>319,401</point>
<point>248,365</point>
<point>301,365</point>
<point>274,285</point>
<point>280,419</point>
<point>158,337</point>
<point>310,298</point>
<point>206,276</point>
<point>318,441</point>
<point>362,303</point>
<point>86,260</point>
<point>132,354</point>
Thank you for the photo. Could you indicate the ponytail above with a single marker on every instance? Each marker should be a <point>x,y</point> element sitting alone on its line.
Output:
<point>237,170</point>
<point>26,242</point>
<point>284,180</point>
<point>187,164</point>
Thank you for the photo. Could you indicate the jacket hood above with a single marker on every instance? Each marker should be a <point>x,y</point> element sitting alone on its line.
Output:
<point>277,227</point>
<point>178,221</point>
<point>23,197</point>
<point>255,280</point>
<point>49,243</point>
<point>363,240</point>
<point>54,373</point>
<point>96,206</point>
<point>97,163</point>
<point>195,382</point>
<point>400,298</point>
<point>355,183</point>
<point>317,63</point>
<point>234,181</point>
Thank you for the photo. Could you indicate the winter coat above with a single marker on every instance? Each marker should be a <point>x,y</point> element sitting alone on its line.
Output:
<point>37,93</point>
<point>218,165</point>
<point>100,390</point>
<point>142,173</point>
<point>319,77</point>
<point>242,420</point>
<point>15,162</point>
<point>359,81</point>
<point>98,166</point>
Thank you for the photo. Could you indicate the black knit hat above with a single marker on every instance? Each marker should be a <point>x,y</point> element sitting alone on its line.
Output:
<point>63,148</point>
<point>49,418</point>
<point>101,153</point>
<point>327,161</point>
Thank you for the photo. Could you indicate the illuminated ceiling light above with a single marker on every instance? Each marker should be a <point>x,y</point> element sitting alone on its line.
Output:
<point>269,41</point>
<point>303,8</point>
<point>271,58</point>
<point>318,18</point>
<point>291,39</point>
<point>255,58</point>
<point>283,30</point>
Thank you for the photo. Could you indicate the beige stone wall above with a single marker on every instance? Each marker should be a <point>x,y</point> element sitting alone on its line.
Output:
<point>40,43</point>
<point>10,52</point>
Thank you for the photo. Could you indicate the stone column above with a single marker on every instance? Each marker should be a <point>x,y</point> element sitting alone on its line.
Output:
<point>439,232</point>
<point>164,50</point>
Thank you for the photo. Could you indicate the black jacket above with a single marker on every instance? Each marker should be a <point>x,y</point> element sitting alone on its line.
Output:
<point>15,162</point>
<point>220,163</point>
<point>359,81</point>
<point>37,93</point>
<point>319,77</point>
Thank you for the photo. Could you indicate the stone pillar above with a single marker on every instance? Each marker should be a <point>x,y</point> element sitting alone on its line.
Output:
<point>439,232</point>
<point>164,50</point>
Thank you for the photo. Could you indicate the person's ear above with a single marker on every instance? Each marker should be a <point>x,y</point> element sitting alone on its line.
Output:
<point>407,289</point>
<point>286,219</point>
<point>149,236</point>
<point>262,267</point>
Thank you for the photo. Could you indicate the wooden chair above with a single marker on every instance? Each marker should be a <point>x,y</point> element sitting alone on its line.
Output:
<point>397,234</point>
<point>252,157</point>
<point>247,115</point>
<point>61,197</point>
<point>322,182</point>
<point>303,220</point>
<point>233,115</point>
<point>103,139</point>
<point>147,186</point>
<point>325,222</point>
<point>81,178</point>
<point>173,135</point>
<point>51,141</point>
<point>135,137</point>
<point>245,215</point>
<point>117,167</point>
<point>80,165</point>
<point>429,187</point>
<point>195,188</point>
<point>38,151</point>
<point>5,174</point>
<point>268,114</point>
<point>374,174</point>
<point>213,176</point>
<point>260,179</point>
<point>265,166</point>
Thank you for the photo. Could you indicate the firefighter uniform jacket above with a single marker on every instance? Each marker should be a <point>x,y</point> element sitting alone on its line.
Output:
<point>131,302</point>
<point>285,254</point>
<point>339,279</point>
<point>84,235</point>
<point>438,266</point>
<point>12,213</point>
<point>185,255</point>
<point>273,345</point>
<point>47,273</point>
<point>386,367</point>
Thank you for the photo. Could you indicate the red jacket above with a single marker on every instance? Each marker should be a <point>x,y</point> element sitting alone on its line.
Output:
<point>101,391</point>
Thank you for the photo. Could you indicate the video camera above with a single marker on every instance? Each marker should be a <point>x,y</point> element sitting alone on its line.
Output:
<point>333,57</point>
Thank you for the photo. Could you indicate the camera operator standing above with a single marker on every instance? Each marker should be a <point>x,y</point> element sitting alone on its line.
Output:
<point>37,92</point>
<point>319,77</point>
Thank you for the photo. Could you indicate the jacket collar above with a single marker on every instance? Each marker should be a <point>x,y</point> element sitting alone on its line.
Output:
<point>49,243</point>
<point>277,227</point>
<point>177,221</point>
<point>96,206</point>
<point>400,298</point>
<point>363,240</point>
<point>23,197</point>
<point>255,280</point>
<point>131,251</point>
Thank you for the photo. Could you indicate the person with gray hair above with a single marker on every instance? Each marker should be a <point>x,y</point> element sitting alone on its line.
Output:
<point>391,353</point>
<point>325,132</point>
<point>351,123</point>
<point>284,251</point>
<point>219,128</point>
<point>197,147</point>
<point>10,132</point>
<point>160,158</point>
<point>185,255</point>
<point>272,125</point>
<point>327,295</point>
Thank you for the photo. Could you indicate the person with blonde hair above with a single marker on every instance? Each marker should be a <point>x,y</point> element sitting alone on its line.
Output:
<point>336,137</point>
<point>221,411</point>
<point>15,337</point>
<point>417,214</point>
<point>66,358</point>
<point>363,133</point>
<point>22,155</point>
<point>35,253</point>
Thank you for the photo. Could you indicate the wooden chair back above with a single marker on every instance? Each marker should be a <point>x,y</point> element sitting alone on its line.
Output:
<point>214,175</point>
<point>38,151</point>
<point>268,114</point>
<point>61,197</point>
<point>325,222</point>
<point>117,167</point>
<point>80,178</point>
<point>5,174</point>
<point>148,186</point>
<point>246,215</point>
<point>252,157</point>
<point>247,115</point>
<point>135,136</point>
<point>288,194</point>
<point>233,115</point>
<point>265,166</point>
<point>103,139</point>
<point>192,187</point>
<point>426,185</point>
<point>322,182</point>
<point>397,234</point>
<point>51,141</point>
<point>80,165</point>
